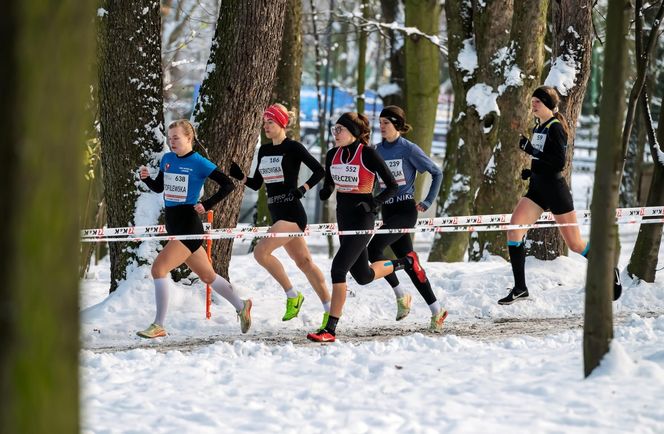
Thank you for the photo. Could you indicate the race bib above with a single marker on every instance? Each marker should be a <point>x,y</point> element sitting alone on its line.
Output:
<point>538,141</point>
<point>271,170</point>
<point>175,187</point>
<point>346,176</point>
<point>396,167</point>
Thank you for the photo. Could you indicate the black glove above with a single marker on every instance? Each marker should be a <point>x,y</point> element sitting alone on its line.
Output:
<point>236,172</point>
<point>368,206</point>
<point>525,145</point>
<point>325,193</point>
<point>525,174</point>
<point>298,193</point>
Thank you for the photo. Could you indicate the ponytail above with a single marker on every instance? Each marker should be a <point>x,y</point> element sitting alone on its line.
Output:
<point>563,123</point>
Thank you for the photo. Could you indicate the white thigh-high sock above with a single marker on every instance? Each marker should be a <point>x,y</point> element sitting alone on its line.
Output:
<point>161,298</point>
<point>222,287</point>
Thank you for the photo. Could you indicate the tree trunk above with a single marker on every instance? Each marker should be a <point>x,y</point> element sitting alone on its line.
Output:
<point>422,74</point>
<point>131,112</point>
<point>643,262</point>
<point>390,11</point>
<point>47,51</point>
<point>571,47</point>
<point>502,186</point>
<point>362,60</point>
<point>598,321</point>
<point>237,88</point>
<point>479,32</point>
<point>289,72</point>
<point>93,206</point>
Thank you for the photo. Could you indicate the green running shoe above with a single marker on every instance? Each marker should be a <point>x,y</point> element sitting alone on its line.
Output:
<point>437,321</point>
<point>403,306</point>
<point>293,306</point>
<point>244,316</point>
<point>154,331</point>
<point>326,315</point>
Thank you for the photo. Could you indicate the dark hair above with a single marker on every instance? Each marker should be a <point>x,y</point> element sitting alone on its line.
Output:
<point>550,98</point>
<point>397,116</point>
<point>357,124</point>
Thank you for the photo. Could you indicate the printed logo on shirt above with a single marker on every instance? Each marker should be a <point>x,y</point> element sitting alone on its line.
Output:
<point>396,167</point>
<point>271,170</point>
<point>346,176</point>
<point>175,187</point>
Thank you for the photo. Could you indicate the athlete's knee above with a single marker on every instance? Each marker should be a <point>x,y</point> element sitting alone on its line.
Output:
<point>304,263</point>
<point>375,254</point>
<point>208,277</point>
<point>338,276</point>
<point>365,277</point>
<point>158,272</point>
<point>261,254</point>
<point>579,247</point>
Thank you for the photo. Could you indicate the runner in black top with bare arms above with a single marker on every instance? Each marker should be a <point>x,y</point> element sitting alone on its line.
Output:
<point>278,167</point>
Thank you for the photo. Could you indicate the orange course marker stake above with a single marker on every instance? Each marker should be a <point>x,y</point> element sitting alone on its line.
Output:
<point>208,290</point>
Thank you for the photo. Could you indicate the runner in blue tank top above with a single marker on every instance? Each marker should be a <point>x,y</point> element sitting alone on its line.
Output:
<point>182,173</point>
<point>405,159</point>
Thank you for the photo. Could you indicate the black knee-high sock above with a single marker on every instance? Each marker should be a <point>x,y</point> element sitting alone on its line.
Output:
<point>424,288</point>
<point>518,259</point>
<point>331,325</point>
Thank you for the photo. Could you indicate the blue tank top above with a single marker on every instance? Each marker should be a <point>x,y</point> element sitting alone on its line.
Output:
<point>184,177</point>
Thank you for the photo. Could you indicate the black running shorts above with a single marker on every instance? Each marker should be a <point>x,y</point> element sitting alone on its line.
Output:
<point>550,193</point>
<point>184,220</point>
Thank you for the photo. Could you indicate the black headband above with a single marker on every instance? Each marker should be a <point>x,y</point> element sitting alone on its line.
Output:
<point>393,117</point>
<point>544,96</point>
<point>350,125</point>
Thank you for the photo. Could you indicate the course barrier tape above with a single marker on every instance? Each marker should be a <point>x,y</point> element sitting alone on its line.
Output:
<point>324,228</point>
<point>230,234</point>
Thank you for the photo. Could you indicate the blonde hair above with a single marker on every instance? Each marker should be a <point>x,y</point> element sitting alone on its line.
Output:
<point>189,131</point>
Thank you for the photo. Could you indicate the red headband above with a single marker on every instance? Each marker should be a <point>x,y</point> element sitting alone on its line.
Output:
<point>276,114</point>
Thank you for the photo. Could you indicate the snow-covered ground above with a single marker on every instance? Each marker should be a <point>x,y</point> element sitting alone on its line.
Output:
<point>206,377</point>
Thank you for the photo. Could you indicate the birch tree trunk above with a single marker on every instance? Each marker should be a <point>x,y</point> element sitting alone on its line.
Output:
<point>598,321</point>
<point>47,49</point>
<point>237,88</point>
<point>130,112</point>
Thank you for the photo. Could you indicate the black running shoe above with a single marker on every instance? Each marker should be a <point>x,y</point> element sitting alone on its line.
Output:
<point>516,294</point>
<point>617,284</point>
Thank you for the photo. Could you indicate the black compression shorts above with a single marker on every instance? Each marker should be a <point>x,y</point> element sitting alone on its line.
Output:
<point>184,220</point>
<point>550,193</point>
<point>290,211</point>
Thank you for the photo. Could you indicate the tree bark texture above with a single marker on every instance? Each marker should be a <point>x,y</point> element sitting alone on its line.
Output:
<point>501,185</point>
<point>390,11</point>
<point>643,262</point>
<point>47,51</point>
<point>237,88</point>
<point>131,111</point>
<point>572,34</point>
<point>598,321</point>
<point>289,72</point>
<point>481,29</point>
<point>422,74</point>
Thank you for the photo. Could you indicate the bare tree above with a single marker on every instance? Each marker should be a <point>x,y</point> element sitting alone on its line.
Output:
<point>572,34</point>
<point>476,34</point>
<point>47,52</point>
<point>238,86</point>
<point>501,186</point>
<point>130,111</point>
<point>598,321</point>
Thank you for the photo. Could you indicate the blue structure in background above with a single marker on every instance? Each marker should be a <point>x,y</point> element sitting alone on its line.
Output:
<point>343,101</point>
